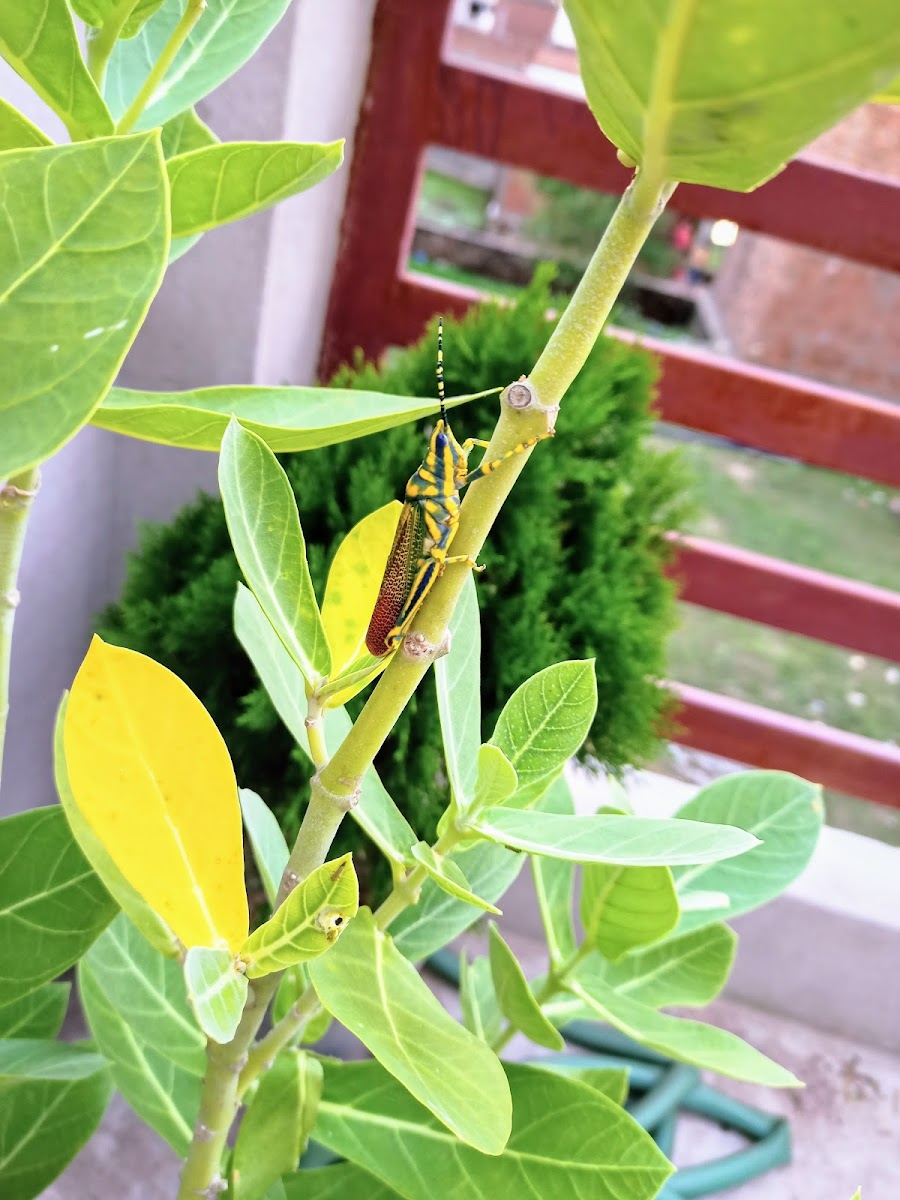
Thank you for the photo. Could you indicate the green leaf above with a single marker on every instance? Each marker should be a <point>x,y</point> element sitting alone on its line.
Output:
<point>546,719</point>
<point>52,905</point>
<point>478,1000</point>
<point>148,993</point>
<point>340,1182</point>
<point>54,1097</point>
<point>270,850</point>
<point>369,986</point>
<point>226,36</point>
<point>265,532</point>
<point>782,810</point>
<point>308,923</point>
<point>497,779</point>
<point>38,40</point>
<point>857,1195</point>
<point>438,918</point>
<point>16,131</point>
<point>82,253</point>
<point>286,418</point>
<point>629,841</point>
<point>161,1092</point>
<point>568,1141</point>
<point>554,882</point>
<point>151,925</point>
<point>217,991</point>
<point>457,677</point>
<point>185,133</point>
<point>40,1014</point>
<point>890,95</point>
<point>375,813</point>
<point>275,1129</point>
<point>97,12</point>
<point>448,876</point>
<point>688,1041</point>
<point>517,1003</point>
<point>723,94</point>
<point>609,1081</point>
<point>217,184</point>
<point>626,907</point>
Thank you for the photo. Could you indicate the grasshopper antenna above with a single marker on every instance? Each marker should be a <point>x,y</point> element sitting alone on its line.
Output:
<point>440,368</point>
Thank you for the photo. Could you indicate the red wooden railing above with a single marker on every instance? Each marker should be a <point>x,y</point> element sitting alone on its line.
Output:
<point>417,96</point>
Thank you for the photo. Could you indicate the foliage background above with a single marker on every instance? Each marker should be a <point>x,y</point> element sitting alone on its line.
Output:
<point>574,562</point>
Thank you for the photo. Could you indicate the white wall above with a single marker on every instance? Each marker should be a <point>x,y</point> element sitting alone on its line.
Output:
<point>245,305</point>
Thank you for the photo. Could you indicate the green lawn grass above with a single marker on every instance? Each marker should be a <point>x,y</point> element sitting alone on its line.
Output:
<point>451,201</point>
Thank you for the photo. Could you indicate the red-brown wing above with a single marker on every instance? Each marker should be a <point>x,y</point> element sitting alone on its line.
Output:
<point>402,563</point>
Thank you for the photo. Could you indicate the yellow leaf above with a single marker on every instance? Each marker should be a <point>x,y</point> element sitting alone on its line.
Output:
<point>152,776</point>
<point>353,583</point>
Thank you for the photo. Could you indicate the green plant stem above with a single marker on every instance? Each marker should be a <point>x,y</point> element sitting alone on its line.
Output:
<point>334,786</point>
<point>189,19</point>
<point>100,46</point>
<point>579,327</point>
<point>16,497</point>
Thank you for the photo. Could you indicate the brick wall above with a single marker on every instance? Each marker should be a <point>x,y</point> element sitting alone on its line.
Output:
<point>817,314</point>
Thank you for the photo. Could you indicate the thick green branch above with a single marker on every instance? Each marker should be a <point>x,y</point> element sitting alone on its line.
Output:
<point>16,497</point>
<point>180,33</point>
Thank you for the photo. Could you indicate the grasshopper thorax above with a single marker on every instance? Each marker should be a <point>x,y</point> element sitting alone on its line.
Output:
<point>444,466</point>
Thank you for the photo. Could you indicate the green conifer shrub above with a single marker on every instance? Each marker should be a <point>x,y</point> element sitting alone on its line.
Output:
<point>574,563</point>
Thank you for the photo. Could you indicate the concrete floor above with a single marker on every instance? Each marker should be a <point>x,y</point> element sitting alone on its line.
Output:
<point>845,1123</point>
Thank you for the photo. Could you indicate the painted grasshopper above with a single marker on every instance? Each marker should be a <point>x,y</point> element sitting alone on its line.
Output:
<point>428,524</point>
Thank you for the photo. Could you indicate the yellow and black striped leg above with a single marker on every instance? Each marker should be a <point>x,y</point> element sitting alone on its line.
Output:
<point>470,443</point>
<point>486,468</point>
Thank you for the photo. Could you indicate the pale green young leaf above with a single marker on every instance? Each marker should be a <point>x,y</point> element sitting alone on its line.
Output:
<point>480,1011</point>
<point>723,94</point>
<point>38,40</point>
<point>216,989</point>
<point>596,1151</point>
<point>276,1126</point>
<point>17,132</point>
<point>626,907</point>
<point>688,1041</point>
<point>185,133</point>
<point>688,970</point>
<point>448,876</point>
<point>554,882</point>
<point>294,983</point>
<point>227,34</point>
<point>517,1002</point>
<point>629,841</point>
<point>375,813</point>
<point>609,1081</point>
<point>97,13</point>
<point>40,1014</point>
<point>268,542</point>
<point>82,252</point>
<point>270,850</point>
<point>546,720</point>
<point>309,922</point>
<point>857,1195</point>
<point>340,1182</point>
<point>438,917</point>
<point>457,677</point>
<point>161,1092</point>
<point>151,925</point>
<point>148,992</point>
<point>54,1097</point>
<point>496,780</point>
<point>216,184</point>
<point>286,418</point>
<point>367,985</point>
<point>783,811</point>
<point>52,905</point>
